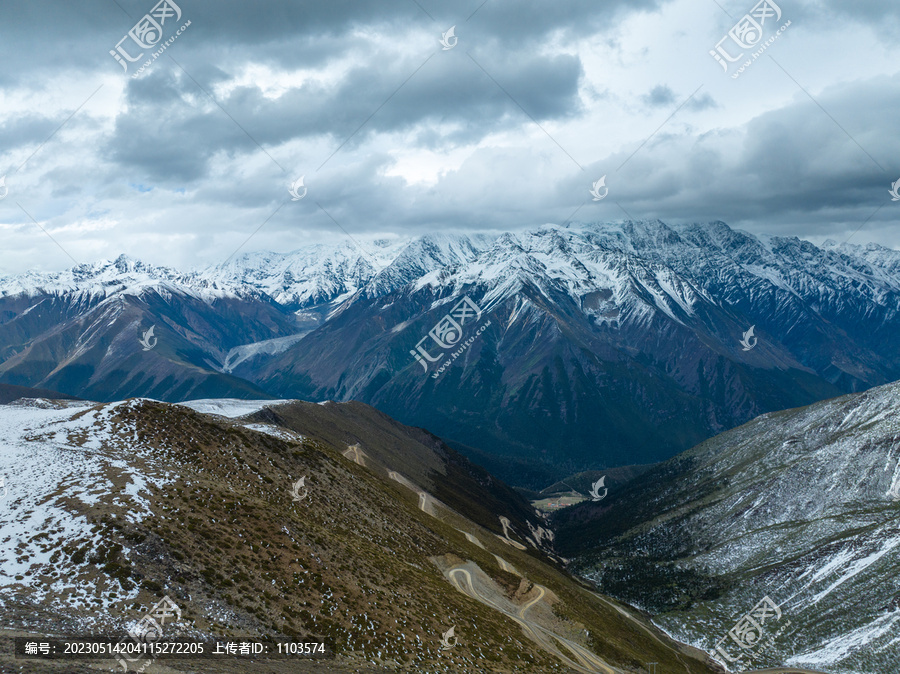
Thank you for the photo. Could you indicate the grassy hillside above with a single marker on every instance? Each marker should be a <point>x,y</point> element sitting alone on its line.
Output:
<point>364,561</point>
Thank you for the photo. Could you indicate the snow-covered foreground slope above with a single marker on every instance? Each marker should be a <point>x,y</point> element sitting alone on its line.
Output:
<point>59,459</point>
<point>801,506</point>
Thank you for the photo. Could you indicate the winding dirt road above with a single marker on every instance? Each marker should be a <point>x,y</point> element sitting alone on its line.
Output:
<point>534,601</point>
<point>354,454</point>
<point>584,661</point>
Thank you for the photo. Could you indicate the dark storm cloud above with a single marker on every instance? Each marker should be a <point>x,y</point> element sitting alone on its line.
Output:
<point>171,130</point>
<point>27,131</point>
<point>41,38</point>
<point>532,20</point>
<point>166,113</point>
<point>790,166</point>
<point>59,34</point>
<point>238,22</point>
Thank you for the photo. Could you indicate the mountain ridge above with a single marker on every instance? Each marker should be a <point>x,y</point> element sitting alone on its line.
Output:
<point>801,505</point>
<point>633,326</point>
<point>606,301</point>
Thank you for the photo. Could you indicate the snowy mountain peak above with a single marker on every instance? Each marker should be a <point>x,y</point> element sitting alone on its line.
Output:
<point>101,278</point>
<point>313,275</point>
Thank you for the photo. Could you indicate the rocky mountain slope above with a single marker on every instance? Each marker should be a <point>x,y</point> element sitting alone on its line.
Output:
<point>634,329</point>
<point>328,521</point>
<point>87,332</point>
<point>800,506</point>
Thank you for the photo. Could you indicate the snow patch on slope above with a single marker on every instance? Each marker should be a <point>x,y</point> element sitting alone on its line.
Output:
<point>52,457</point>
<point>230,407</point>
<point>269,347</point>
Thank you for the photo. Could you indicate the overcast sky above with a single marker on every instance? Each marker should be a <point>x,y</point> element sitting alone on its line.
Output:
<point>395,134</point>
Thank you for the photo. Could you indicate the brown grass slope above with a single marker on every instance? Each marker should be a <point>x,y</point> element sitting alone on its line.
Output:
<point>352,563</point>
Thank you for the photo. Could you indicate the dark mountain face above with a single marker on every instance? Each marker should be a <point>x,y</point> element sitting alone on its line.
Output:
<point>9,393</point>
<point>582,348</point>
<point>602,347</point>
<point>800,506</point>
<point>423,457</point>
<point>95,340</point>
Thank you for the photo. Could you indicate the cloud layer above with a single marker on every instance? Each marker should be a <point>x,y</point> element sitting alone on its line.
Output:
<point>394,134</point>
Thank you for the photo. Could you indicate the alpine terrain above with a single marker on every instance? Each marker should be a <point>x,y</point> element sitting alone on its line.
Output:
<point>800,507</point>
<point>603,345</point>
<point>321,522</point>
<point>537,354</point>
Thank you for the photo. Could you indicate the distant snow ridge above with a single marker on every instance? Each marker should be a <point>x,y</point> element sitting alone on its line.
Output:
<point>670,262</point>
<point>230,407</point>
<point>110,278</point>
<point>312,275</point>
<point>106,277</point>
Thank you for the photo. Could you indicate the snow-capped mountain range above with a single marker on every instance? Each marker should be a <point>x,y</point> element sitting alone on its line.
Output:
<point>635,328</point>
<point>309,277</point>
<point>306,277</point>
